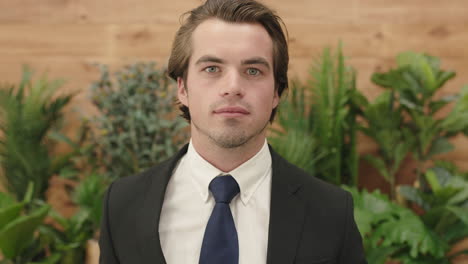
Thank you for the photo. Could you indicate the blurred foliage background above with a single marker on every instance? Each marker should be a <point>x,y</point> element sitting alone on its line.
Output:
<point>138,125</point>
<point>384,123</point>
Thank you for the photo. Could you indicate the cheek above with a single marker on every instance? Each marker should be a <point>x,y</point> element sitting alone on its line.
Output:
<point>268,97</point>
<point>198,101</point>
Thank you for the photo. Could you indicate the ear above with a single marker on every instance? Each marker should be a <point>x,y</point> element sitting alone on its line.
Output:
<point>182,94</point>
<point>276,99</point>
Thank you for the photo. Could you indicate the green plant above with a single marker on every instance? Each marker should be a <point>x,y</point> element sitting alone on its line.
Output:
<point>67,239</point>
<point>80,160</point>
<point>391,231</point>
<point>89,195</point>
<point>294,139</point>
<point>17,228</point>
<point>28,113</point>
<point>384,123</point>
<point>318,122</point>
<point>443,196</point>
<point>137,125</point>
<point>414,83</point>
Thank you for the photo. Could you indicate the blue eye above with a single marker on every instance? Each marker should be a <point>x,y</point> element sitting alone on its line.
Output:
<point>211,69</point>
<point>253,71</point>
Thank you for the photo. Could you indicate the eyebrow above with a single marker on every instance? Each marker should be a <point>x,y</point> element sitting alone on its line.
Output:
<point>209,58</point>
<point>256,60</point>
<point>251,61</point>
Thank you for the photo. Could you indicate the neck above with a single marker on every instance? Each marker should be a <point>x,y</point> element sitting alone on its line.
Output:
<point>227,159</point>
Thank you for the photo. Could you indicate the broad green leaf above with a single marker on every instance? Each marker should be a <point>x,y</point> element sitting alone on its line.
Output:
<point>411,105</point>
<point>420,64</point>
<point>442,196</point>
<point>439,146</point>
<point>410,230</point>
<point>431,178</point>
<point>29,193</point>
<point>377,203</point>
<point>6,200</point>
<point>444,76</point>
<point>380,255</point>
<point>414,195</point>
<point>9,213</point>
<point>18,234</point>
<point>444,176</point>
<point>405,259</point>
<point>460,198</point>
<point>391,79</point>
<point>457,119</point>
<point>455,232</point>
<point>358,99</point>
<point>364,219</point>
<point>461,213</point>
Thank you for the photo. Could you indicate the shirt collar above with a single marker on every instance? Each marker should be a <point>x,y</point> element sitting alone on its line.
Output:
<point>249,175</point>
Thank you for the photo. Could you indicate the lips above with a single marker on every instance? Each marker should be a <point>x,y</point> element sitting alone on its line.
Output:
<point>232,110</point>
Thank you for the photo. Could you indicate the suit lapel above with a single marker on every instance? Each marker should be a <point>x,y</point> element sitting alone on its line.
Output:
<point>147,221</point>
<point>287,213</point>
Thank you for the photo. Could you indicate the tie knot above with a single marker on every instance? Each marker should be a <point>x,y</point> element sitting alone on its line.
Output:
<point>224,188</point>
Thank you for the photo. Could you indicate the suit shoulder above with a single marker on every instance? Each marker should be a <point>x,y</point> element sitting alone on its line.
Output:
<point>127,190</point>
<point>315,191</point>
<point>140,182</point>
<point>136,181</point>
<point>329,204</point>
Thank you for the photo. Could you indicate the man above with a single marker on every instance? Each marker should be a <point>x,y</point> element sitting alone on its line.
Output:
<point>227,197</point>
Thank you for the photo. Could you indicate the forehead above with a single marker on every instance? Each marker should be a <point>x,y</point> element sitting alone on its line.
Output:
<point>231,41</point>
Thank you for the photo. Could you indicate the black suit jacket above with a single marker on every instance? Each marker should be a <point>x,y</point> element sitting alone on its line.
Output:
<point>310,221</point>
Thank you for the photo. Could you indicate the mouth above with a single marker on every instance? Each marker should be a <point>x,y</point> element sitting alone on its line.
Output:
<point>231,111</point>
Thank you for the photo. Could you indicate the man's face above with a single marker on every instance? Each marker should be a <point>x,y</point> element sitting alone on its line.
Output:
<point>230,83</point>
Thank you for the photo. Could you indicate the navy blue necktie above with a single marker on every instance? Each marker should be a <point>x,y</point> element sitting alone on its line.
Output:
<point>220,243</point>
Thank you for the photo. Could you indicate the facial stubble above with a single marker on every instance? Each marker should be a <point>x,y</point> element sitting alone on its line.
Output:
<point>232,134</point>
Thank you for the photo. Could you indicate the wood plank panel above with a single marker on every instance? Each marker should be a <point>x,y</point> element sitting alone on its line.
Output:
<point>30,11</point>
<point>414,11</point>
<point>366,40</point>
<point>90,11</point>
<point>444,40</point>
<point>55,40</point>
<point>306,39</point>
<point>135,11</point>
<point>370,40</point>
<point>370,11</point>
<point>76,40</point>
<point>313,11</point>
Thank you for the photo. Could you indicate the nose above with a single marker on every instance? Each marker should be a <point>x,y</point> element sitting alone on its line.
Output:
<point>232,85</point>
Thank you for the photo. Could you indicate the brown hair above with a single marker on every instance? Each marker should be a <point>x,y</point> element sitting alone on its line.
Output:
<point>236,11</point>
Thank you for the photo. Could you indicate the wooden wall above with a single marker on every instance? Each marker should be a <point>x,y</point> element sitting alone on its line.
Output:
<point>66,37</point>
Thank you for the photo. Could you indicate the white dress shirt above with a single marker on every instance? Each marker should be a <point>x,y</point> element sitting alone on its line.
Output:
<point>188,204</point>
